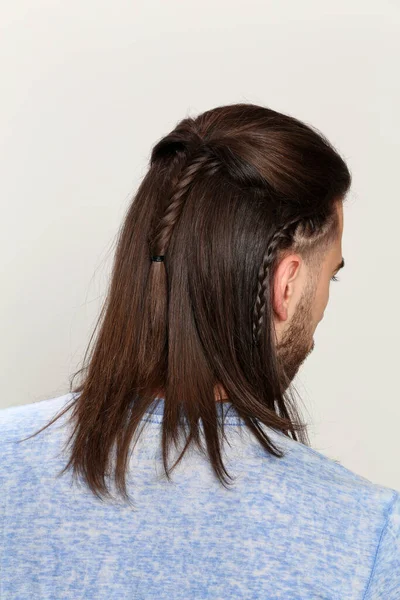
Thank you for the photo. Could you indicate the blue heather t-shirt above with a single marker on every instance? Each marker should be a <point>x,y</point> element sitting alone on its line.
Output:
<point>299,527</point>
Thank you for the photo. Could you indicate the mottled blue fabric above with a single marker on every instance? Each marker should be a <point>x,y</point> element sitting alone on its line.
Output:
<point>298,527</point>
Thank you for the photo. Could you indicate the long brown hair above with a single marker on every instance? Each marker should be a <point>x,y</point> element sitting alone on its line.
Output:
<point>225,195</point>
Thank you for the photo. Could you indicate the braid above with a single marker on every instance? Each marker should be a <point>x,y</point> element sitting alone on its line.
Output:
<point>204,162</point>
<point>263,277</point>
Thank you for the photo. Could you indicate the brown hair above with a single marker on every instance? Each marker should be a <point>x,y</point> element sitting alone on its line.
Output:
<point>225,195</point>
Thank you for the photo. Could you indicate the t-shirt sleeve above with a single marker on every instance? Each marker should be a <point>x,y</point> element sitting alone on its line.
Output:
<point>385,576</point>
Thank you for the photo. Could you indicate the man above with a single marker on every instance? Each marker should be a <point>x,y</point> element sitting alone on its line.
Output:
<point>221,276</point>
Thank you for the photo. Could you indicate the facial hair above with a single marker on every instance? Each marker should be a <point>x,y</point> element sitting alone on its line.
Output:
<point>297,341</point>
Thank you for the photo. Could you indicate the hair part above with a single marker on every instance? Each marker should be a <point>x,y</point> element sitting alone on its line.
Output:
<point>225,194</point>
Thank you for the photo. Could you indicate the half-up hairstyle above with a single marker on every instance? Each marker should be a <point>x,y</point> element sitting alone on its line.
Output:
<point>226,195</point>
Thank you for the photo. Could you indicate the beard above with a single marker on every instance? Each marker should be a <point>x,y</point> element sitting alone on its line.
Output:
<point>297,341</point>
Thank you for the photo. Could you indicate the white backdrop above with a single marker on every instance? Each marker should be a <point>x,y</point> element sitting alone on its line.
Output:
<point>88,87</point>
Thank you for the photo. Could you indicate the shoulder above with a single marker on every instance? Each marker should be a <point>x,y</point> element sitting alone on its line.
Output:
<point>25,456</point>
<point>342,496</point>
<point>311,463</point>
<point>25,419</point>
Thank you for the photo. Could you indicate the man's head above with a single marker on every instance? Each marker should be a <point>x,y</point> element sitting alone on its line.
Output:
<point>300,296</point>
<point>240,203</point>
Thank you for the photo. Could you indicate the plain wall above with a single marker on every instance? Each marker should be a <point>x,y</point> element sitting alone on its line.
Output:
<point>87,88</point>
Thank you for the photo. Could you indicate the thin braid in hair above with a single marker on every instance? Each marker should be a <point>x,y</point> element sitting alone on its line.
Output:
<point>263,277</point>
<point>203,162</point>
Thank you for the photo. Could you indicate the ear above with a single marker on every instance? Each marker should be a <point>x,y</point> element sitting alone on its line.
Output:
<point>285,285</point>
